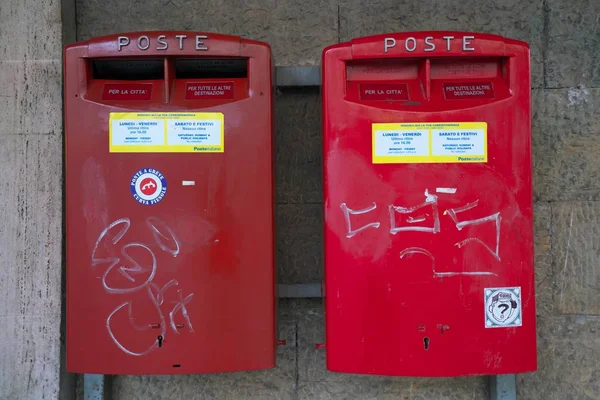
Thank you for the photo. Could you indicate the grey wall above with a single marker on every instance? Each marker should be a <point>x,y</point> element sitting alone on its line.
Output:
<point>565,46</point>
<point>30,198</point>
<point>565,41</point>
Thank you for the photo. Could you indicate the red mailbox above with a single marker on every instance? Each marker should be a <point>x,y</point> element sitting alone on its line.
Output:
<point>169,204</point>
<point>428,205</point>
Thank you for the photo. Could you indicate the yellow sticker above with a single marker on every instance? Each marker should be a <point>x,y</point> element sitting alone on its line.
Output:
<point>168,132</point>
<point>447,142</point>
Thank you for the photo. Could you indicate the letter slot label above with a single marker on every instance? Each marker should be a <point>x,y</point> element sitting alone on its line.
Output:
<point>468,90</point>
<point>384,91</point>
<point>209,90</point>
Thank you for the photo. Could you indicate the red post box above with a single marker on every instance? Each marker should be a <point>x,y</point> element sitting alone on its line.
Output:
<point>169,204</point>
<point>428,205</point>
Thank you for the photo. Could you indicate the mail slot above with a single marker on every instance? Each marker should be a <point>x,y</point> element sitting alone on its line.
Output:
<point>428,205</point>
<point>169,204</point>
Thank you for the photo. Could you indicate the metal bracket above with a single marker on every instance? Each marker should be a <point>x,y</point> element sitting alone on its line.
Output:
<point>298,76</point>
<point>309,290</point>
<point>96,387</point>
<point>503,387</point>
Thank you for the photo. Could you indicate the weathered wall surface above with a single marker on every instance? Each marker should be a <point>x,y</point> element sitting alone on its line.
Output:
<point>30,198</point>
<point>565,49</point>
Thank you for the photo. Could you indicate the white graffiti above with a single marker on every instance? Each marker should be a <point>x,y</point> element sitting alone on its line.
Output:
<point>420,250</point>
<point>495,218</point>
<point>115,239</point>
<point>180,306</point>
<point>430,201</point>
<point>428,210</point>
<point>417,250</point>
<point>414,220</point>
<point>168,243</point>
<point>136,269</point>
<point>141,275</point>
<point>154,343</point>
<point>348,211</point>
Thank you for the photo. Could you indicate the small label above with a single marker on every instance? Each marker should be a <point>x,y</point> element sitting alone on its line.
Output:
<point>148,186</point>
<point>137,132</point>
<point>166,132</point>
<point>445,190</point>
<point>127,91</point>
<point>384,91</point>
<point>462,142</point>
<point>209,90</point>
<point>502,307</point>
<point>396,143</point>
<point>472,90</point>
<point>451,142</point>
<point>194,132</point>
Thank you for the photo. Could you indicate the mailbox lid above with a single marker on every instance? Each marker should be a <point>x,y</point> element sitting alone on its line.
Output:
<point>193,265</point>
<point>421,252</point>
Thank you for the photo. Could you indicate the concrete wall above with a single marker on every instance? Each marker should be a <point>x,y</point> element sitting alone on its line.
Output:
<point>30,198</point>
<point>565,41</point>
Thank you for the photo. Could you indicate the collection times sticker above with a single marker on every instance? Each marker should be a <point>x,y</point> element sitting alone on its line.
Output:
<point>148,186</point>
<point>502,307</point>
<point>168,132</point>
<point>448,142</point>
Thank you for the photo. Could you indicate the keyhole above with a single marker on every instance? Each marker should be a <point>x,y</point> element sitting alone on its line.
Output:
<point>160,339</point>
<point>426,343</point>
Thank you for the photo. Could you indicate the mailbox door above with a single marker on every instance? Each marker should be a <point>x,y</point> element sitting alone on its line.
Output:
<point>169,204</point>
<point>428,205</point>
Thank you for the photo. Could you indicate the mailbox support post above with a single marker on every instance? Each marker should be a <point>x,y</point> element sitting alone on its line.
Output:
<point>298,76</point>
<point>96,387</point>
<point>303,291</point>
<point>503,387</point>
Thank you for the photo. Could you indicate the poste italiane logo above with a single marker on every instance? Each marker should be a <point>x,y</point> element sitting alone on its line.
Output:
<point>148,186</point>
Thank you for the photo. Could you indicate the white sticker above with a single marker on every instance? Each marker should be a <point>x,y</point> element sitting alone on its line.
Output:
<point>205,132</point>
<point>138,132</point>
<point>401,143</point>
<point>458,142</point>
<point>502,307</point>
<point>445,190</point>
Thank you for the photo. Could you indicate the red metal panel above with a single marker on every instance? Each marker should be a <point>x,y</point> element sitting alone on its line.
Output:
<point>429,262</point>
<point>169,254</point>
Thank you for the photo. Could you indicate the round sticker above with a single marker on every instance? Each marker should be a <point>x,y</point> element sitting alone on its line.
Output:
<point>148,186</point>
